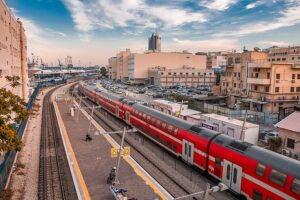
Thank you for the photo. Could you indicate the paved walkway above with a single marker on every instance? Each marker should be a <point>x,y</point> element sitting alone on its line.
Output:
<point>95,162</point>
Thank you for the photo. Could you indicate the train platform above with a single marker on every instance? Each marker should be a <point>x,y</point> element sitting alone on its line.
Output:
<point>93,162</point>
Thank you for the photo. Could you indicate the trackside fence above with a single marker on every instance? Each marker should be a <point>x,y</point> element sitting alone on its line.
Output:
<point>9,157</point>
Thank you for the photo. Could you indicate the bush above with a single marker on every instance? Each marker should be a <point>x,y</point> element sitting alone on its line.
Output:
<point>274,143</point>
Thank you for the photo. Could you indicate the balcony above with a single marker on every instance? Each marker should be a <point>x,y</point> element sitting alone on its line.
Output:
<point>259,64</point>
<point>259,81</point>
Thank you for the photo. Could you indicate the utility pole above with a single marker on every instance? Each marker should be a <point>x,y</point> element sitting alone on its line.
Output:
<point>242,136</point>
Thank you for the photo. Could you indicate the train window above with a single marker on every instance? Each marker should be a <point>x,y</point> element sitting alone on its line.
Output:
<point>144,116</point>
<point>170,128</point>
<point>218,162</point>
<point>174,147</point>
<point>260,169</point>
<point>153,120</point>
<point>158,122</point>
<point>169,145</point>
<point>164,125</point>
<point>175,130</point>
<point>157,137</point>
<point>190,150</point>
<point>277,177</point>
<point>234,175</point>
<point>296,186</point>
<point>140,115</point>
<point>257,195</point>
<point>228,172</point>
<point>148,118</point>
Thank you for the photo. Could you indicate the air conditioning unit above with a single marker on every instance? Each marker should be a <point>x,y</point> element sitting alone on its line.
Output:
<point>293,81</point>
<point>286,152</point>
<point>277,81</point>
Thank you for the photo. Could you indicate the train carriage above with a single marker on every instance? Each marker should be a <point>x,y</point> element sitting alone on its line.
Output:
<point>246,169</point>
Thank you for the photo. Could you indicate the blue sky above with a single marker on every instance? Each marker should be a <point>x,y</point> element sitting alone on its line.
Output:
<point>91,31</point>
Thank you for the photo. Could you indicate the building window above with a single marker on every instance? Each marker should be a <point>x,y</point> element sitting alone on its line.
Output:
<point>223,83</point>
<point>268,75</point>
<point>277,177</point>
<point>298,89</point>
<point>298,76</point>
<point>293,76</point>
<point>290,143</point>
<point>169,73</point>
<point>277,76</point>
<point>239,74</point>
<point>204,74</point>
<point>199,73</point>
<point>227,84</point>
<point>234,74</point>
<point>174,73</point>
<point>161,73</point>
<point>292,89</point>
<point>193,74</point>
<point>276,89</point>
<point>234,85</point>
<point>273,59</point>
<point>267,89</point>
<point>187,73</point>
<point>283,59</point>
<point>292,58</point>
<point>278,59</point>
<point>255,87</point>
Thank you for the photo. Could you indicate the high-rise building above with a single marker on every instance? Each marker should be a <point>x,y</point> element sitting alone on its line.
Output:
<point>154,43</point>
<point>13,50</point>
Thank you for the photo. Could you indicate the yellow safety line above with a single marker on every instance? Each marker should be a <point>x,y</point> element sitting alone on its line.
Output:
<point>77,168</point>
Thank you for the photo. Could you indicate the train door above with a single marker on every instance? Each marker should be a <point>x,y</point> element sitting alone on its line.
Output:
<point>188,151</point>
<point>232,176</point>
<point>127,117</point>
<point>117,111</point>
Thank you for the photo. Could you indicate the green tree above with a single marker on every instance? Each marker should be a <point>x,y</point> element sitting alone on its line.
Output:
<point>12,111</point>
<point>103,71</point>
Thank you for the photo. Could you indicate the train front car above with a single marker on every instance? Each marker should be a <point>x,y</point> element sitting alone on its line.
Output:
<point>253,172</point>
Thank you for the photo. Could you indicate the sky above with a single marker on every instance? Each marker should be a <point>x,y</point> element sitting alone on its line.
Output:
<point>91,31</point>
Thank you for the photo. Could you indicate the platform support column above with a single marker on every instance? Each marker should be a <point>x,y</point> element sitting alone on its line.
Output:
<point>78,110</point>
<point>120,152</point>
<point>91,117</point>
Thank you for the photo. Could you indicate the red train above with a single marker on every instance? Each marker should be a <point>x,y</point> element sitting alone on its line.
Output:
<point>248,170</point>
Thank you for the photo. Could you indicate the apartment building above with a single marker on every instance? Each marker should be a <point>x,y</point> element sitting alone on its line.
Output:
<point>13,50</point>
<point>185,75</point>
<point>112,68</point>
<point>262,81</point>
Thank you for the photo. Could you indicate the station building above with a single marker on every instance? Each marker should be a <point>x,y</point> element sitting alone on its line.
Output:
<point>13,51</point>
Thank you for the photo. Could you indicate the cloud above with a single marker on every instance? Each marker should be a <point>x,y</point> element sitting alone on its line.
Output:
<point>219,5</point>
<point>273,43</point>
<point>215,44</point>
<point>286,18</point>
<point>129,14</point>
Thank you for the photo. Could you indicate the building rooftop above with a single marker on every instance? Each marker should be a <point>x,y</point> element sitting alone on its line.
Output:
<point>230,120</point>
<point>291,122</point>
<point>188,112</point>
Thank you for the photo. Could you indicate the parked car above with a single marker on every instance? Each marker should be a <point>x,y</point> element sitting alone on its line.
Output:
<point>269,135</point>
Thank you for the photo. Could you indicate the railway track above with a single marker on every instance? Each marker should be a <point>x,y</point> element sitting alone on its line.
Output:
<point>175,183</point>
<point>55,181</point>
